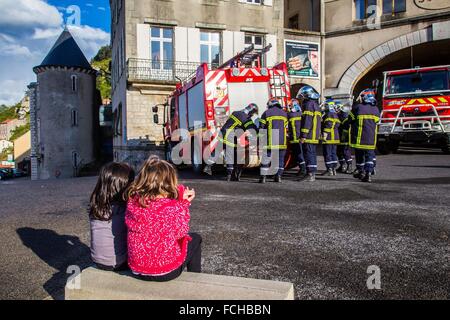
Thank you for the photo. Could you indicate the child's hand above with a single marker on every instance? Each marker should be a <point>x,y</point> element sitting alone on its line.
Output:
<point>189,194</point>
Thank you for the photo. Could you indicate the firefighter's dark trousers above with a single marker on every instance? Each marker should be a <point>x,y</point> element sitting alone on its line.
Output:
<point>297,154</point>
<point>234,158</point>
<point>275,157</point>
<point>344,153</point>
<point>310,153</point>
<point>364,160</point>
<point>330,155</point>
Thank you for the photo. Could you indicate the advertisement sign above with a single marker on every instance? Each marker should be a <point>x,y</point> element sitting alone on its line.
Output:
<point>302,58</point>
<point>432,4</point>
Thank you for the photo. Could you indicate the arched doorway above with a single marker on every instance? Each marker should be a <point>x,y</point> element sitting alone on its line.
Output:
<point>427,54</point>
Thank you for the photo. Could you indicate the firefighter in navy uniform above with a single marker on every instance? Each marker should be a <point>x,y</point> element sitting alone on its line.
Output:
<point>230,133</point>
<point>294,120</point>
<point>273,128</point>
<point>310,129</point>
<point>330,137</point>
<point>363,120</point>
<point>344,152</point>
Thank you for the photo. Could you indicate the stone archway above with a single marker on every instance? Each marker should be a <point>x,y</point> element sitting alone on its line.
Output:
<point>369,60</point>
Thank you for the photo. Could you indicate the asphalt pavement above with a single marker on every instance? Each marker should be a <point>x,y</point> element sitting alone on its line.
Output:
<point>321,236</point>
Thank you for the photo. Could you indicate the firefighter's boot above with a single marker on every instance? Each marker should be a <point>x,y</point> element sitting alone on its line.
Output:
<point>349,169</point>
<point>367,177</point>
<point>328,172</point>
<point>341,168</point>
<point>357,174</point>
<point>309,177</point>
<point>373,172</point>
<point>277,178</point>
<point>302,170</point>
<point>238,173</point>
<point>334,171</point>
<point>262,179</point>
<point>208,170</point>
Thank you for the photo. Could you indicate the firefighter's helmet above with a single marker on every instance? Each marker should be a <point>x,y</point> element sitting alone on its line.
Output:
<point>274,102</point>
<point>329,106</point>
<point>308,93</point>
<point>251,109</point>
<point>294,106</point>
<point>367,96</point>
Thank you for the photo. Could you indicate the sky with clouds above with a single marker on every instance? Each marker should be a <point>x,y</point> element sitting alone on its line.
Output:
<point>29,28</point>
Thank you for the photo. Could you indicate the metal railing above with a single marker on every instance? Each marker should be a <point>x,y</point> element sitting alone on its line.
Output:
<point>434,118</point>
<point>161,70</point>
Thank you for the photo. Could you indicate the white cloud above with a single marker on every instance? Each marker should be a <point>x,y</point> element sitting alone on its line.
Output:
<point>14,50</point>
<point>11,91</point>
<point>28,13</point>
<point>102,8</point>
<point>89,5</point>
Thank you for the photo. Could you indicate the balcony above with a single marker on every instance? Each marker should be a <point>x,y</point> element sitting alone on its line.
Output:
<point>160,70</point>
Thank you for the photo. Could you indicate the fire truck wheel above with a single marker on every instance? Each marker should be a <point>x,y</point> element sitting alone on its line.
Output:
<point>168,151</point>
<point>394,145</point>
<point>446,147</point>
<point>384,148</point>
<point>196,159</point>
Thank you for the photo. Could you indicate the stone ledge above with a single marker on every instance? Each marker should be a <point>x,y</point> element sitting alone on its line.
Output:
<point>103,285</point>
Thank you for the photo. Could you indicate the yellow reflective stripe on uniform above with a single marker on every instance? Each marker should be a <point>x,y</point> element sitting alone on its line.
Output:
<point>304,130</point>
<point>227,142</point>
<point>308,113</point>
<point>327,129</point>
<point>248,123</point>
<point>236,119</point>
<point>230,129</point>
<point>331,142</point>
<point>294,129</point>
<point>269,130</point>
<point>369,117</point>
<point>351,115</point>
<point>332,120</point>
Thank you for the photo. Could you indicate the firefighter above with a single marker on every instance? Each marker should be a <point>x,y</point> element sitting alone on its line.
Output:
<point>295,118</point>
<point>273,126</point>
<point>330,137</point>
<point>344,152</point>
<point>310,129</point>
<point>237,124</point>
<point>363,120</point>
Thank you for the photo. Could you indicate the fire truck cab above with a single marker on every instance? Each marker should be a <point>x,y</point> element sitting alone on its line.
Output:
<point>204,101</point>
<point>416,109</point>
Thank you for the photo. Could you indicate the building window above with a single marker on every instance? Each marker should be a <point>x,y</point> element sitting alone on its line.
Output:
<point>74,83</point>
<point>210,47</point>
<point>394,6</point>
<point>161,47</point>
<point>75,159</point>
<point>258,41</point>
<point>74,118</point>
<point>293,22</point>
<point>255,1</point>
<point>365,9</point>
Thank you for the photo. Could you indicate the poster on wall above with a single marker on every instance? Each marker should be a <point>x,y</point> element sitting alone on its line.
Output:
<point>302,58</point>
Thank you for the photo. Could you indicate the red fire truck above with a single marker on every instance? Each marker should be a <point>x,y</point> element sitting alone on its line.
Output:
<point>416,108</point>
<point>203,102</point>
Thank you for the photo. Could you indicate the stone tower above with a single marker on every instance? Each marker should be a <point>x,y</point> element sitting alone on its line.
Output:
<point>63,102</point>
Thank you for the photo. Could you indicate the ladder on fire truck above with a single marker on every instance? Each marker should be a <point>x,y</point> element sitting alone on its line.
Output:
<point>277,81</point>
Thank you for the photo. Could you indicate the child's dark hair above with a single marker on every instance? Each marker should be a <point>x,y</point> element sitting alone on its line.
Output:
<point>114,179</point>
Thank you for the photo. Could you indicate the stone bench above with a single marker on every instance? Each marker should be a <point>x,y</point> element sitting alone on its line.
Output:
<point>104,285</point>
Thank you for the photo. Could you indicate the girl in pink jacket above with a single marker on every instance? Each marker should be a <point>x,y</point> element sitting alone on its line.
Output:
<point>157,218</point>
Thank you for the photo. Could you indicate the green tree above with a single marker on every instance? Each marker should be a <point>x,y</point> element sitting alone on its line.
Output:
<point>101,62</point>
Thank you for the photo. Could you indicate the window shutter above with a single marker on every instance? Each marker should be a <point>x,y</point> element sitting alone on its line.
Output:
<point>143,41</point>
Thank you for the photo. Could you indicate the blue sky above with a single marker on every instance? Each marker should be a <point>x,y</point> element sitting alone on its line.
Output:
<point>29,28</point>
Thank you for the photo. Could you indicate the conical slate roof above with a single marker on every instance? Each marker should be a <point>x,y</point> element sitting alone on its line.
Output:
<point>65,53</point>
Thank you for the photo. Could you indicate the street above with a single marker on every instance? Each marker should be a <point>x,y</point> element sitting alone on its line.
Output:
<point>320,236</point>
